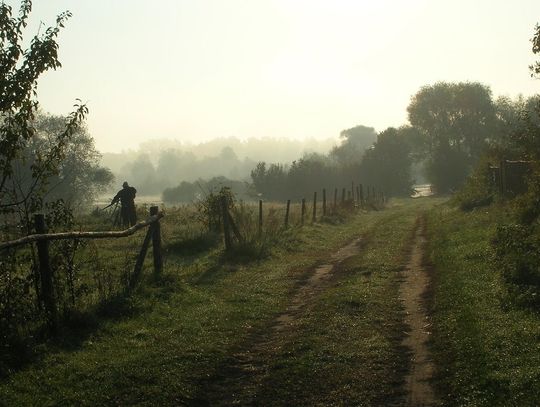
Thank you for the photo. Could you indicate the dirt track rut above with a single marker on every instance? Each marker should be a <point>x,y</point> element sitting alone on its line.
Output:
<point>413,292</point>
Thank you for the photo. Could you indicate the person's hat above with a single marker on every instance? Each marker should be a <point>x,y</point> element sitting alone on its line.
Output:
<point>125,184</point>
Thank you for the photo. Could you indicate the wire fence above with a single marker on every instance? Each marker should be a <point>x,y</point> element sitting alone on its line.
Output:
<point>50,277</point>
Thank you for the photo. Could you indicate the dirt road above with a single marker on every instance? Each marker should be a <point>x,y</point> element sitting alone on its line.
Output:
<point>248,373</point>
<point>413,291</point>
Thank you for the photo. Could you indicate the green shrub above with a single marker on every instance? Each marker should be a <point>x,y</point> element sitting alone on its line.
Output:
<point>477,190</point>
<point>517,248</point>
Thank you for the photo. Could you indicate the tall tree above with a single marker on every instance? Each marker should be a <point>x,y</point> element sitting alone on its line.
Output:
<point>19,71</point>
<point>388,164</point>
<point>453,117</point>
<point>355,141</point>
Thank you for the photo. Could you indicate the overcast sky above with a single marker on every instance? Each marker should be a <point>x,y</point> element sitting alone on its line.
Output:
<point>195,70</point>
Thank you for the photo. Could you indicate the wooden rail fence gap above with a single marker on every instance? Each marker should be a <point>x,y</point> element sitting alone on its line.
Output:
<point>46,274</point>
<point>225,218</point>
<point>314,218</point>
<point>260,217</point>
<point>324,201</point>
<point>303,211</point>
<point>156,242</point>
<point>287,213</point>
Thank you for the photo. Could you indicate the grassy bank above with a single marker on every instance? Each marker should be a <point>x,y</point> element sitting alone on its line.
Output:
<point>487,350</point>
<point>161,345</point>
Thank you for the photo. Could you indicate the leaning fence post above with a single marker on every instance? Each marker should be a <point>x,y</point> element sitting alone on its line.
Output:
<point>324,201</point>
<point>287,213</point>
<point>156,242</point>
<point>314,207</point>
<point>303,211</point>
<point>46,273</point>
<point>135,277</point>
<point>260,217</point>
<point>225,218</point>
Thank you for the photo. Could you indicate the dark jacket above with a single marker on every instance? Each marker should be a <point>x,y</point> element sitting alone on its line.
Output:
<point>126,196</point>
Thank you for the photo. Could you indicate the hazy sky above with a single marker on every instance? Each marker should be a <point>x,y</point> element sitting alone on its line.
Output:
<point>199,69</point>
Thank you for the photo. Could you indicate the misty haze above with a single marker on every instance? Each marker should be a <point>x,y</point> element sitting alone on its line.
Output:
<point>269,203</point>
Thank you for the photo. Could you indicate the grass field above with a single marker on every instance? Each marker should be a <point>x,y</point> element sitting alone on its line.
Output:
<point>207,333</point>
<point>487,350</point>
<point>171,342</point>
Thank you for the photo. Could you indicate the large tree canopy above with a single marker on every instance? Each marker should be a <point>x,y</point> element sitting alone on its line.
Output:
<point>460,115</point>
<point>19,71</point>
<point>354,143</point>
<point>388,163</point>
<point>456,119</point>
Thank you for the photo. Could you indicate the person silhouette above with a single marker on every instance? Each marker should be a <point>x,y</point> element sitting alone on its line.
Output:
<point>126,196</point>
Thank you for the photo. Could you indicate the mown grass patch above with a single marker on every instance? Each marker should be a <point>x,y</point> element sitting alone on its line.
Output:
<point>487,350</point>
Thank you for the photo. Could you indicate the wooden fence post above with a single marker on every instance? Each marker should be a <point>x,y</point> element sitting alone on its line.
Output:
<point>314,218</point>
<point>343,197</point>
<point>287,213</point>
<point>303,211</point>
<point>361,196</point>
<point>260,217</point>
<point>335,199</point>
<point>357,196</point>
<point>135,277</point>
<point>352,192</point>
<point>46,274</point>
<point>225,219</point>
<point>156,241</point>
<point>324,201</point>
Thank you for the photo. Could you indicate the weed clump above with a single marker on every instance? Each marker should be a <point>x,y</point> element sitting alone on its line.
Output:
<point>478,190</point>
<point>517,249</point>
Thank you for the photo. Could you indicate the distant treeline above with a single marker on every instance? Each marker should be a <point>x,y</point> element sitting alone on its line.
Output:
<point>452,126</point>
<point>363,156</point>
<point>188,192</point>
<point>162,164</point>
<point>380,160</point>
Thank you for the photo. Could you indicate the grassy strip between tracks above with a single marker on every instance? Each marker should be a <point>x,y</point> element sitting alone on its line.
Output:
<point>487,350</point>
<point>346,349</point>
<point>158,346</point>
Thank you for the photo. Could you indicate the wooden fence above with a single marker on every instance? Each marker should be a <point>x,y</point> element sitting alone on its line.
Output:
<point>510,177</point>
<point>45,277</point>
<point>46,273</point>
<point>355,199</point>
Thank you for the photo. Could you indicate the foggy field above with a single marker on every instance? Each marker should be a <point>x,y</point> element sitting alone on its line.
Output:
<point>269,203</point>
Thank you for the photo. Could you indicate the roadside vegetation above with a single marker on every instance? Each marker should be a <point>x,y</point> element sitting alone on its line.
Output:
<point>485,344</point>
<point>486,288</point>
<point>176,331</point>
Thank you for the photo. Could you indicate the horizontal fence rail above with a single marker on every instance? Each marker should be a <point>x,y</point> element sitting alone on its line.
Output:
<point>48,299</point>
<point>81,235</point>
